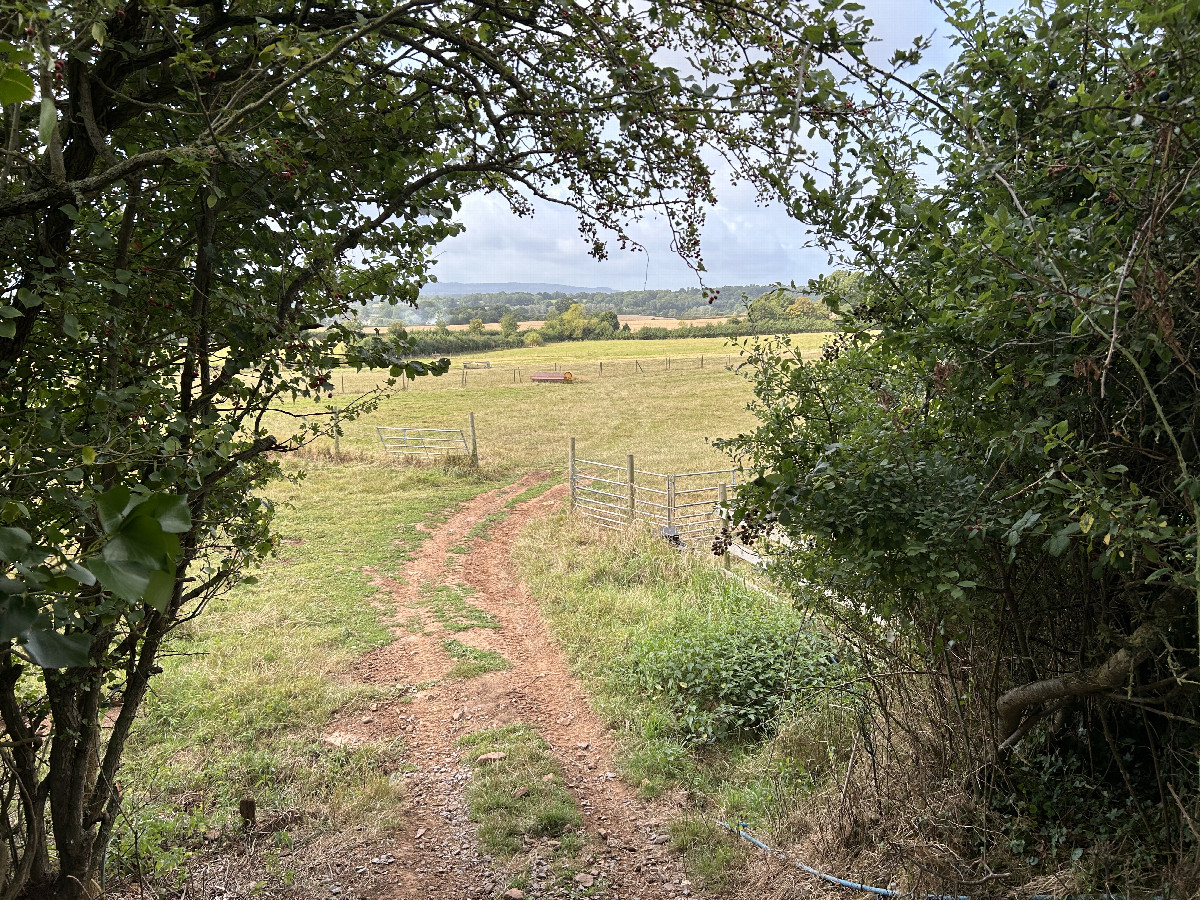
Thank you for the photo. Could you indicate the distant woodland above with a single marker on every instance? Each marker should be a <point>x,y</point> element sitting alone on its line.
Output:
<point>491,307</point>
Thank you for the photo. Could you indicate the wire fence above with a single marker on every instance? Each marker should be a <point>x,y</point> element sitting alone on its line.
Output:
<point>468,373</point>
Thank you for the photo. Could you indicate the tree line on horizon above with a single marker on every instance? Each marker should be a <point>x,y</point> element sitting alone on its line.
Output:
<point>781,311</point>
<point>680,303</point>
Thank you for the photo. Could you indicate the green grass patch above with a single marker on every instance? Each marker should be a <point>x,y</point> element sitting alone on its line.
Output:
<point>532,492</point>
<point>448,606</point>
<point>471,661</point>
<point>512,798</point>
<point>707,849</point>
<point>249,686</point>
<point>715,688</point>
<point>480,530</point>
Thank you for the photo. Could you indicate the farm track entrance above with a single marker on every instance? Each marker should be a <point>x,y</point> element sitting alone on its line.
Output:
<point>438,856</point>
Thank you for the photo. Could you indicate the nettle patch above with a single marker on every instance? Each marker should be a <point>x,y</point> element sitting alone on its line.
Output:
<point>736,681</point>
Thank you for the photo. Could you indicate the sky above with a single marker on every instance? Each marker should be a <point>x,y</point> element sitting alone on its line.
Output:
<point>743,242</point>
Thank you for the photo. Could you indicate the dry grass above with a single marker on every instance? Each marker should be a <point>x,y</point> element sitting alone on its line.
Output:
<point>666,416</point>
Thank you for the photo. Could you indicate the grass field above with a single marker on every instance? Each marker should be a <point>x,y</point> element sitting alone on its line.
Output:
<point>665,416</point>
<point>248,687</point>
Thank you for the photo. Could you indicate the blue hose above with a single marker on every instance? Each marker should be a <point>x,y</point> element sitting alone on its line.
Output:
<point>878,891</point>
<point>840,882</point>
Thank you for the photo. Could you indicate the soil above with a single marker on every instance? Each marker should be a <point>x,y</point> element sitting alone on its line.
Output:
<point>437,854</point>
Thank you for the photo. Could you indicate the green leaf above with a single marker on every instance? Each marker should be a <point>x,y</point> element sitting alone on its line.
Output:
<point>52,650</point>
<point>89,455</point>
<point>170,511</point>
<point>141,540</point>
<point>128,580</point>
<point>79,574</point>
<point>14,543</point>
<point>160,589</point>
<point>99,32</point>
<point>16,615</point>
<point>15,85</point>
<point>112,506</point>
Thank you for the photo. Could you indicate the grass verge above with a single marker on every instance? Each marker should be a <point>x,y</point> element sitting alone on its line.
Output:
<point>714,689</point>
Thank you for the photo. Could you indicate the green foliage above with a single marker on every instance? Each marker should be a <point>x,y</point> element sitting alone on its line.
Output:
<point>683,303</point>
<point>190,194</point>
<point>735,681</point>
<point>630,610</point>
<point>997,458</point>
<point>509,325</point>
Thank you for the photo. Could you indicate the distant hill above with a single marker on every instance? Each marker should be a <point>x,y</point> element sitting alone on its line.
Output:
<point>461,289</point>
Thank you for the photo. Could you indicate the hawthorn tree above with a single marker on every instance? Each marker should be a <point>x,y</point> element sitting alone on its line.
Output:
<point>995,465</point>
<point>188,189</point>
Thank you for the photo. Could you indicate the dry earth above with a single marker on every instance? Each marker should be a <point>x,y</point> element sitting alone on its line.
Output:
<point>437,855</point>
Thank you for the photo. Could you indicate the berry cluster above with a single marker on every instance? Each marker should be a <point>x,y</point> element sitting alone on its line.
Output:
<point>836,347</point>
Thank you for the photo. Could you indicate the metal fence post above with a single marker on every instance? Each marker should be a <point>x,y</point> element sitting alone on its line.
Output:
<point>632,490</point>
<point>571,472</point>
<point>722,496</point>
<point>670,502</point>
<point>474,451</point>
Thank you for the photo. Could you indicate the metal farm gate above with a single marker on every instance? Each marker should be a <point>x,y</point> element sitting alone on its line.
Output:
<point>681,505</point>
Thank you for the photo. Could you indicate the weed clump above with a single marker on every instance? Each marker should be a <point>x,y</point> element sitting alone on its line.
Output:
<point>735,681</point>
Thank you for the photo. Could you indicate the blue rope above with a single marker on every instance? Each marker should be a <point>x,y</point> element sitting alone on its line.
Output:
<point>840,882</point>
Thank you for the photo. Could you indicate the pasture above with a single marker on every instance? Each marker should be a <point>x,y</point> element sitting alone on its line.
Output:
<point>666,413</point>
<point>253,687</point>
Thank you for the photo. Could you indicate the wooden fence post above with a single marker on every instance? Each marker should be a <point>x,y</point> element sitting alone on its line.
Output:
<point>464,376</point>
<point>632,490</point>
<point>474,450</point>
<point>601,369</point>
<point>337,443</point>
<point>722,496</point>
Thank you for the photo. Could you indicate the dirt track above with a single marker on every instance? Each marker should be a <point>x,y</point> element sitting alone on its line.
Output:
<point>437,856</point>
